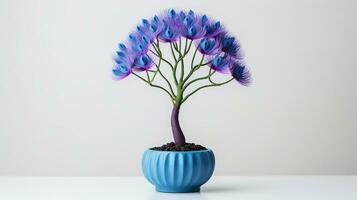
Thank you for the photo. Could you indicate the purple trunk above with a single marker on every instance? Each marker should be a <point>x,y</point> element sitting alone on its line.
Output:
<point>175,125</point>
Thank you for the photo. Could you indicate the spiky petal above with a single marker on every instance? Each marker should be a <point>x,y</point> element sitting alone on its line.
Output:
<point>213,29</point>
<point>139,43</point>
<point>209,46</point>
<point>230,46</point>
<point>171,27</point>
<point>142,63</point>
<point>221,63</point>
<point>191,25</point>
<point>150,29</point>
<point>210,37</point>
<point>123,62</point>
<point>122,67</point>
<point>241,74</point>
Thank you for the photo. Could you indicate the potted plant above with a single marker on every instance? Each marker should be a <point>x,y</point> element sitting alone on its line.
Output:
<point>180,166</point>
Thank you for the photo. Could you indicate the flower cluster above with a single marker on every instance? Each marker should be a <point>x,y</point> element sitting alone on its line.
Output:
<point>210,38</point>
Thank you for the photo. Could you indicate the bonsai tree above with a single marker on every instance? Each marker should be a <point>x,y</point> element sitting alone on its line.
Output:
<point>213,49</point>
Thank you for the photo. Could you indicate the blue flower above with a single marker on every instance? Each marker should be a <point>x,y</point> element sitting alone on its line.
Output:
<point>171,27</point>
<point>169,34</point>
<point>188,19</point>
<point>139,43</point>
<point>213,29</point>
<point>191,25</point>
<point>150,30</point>
<point>156,26</point>
<point>142,63</point>
<point>122,67</point>
<point>209,46</point>
<point>241,74</point>
<point>221,63</point>
<point>211,39</point>
<point>230,46</point>
<point>121,71</point>
<point>204,20</point>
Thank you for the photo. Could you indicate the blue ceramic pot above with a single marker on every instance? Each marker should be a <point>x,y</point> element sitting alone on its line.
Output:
<point>178,171</point>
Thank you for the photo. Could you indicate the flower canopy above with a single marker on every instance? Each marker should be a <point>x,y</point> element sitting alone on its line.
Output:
<point>222,51</point>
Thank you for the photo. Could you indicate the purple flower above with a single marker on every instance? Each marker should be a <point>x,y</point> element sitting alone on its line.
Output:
<point>150,29</point>
<point>191,25</point>
<point>211,39</point>
<point>230,46</point>
<point>209,46</point>
<point>171,27</point>
<point>142,63</point>
<point>213,29</point>
<point>123,63</point>
<point>241,74</point>
<point>121,71</point>
<point>221,63</point>
<point>139,43</point>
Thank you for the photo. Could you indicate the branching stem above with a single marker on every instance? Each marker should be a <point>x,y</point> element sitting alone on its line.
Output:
<point>153,85</point>
<point>179,51</point>
<point>205,86</point>
<point>180,79</point>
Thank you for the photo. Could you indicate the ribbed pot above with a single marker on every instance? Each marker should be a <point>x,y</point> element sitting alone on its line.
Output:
<point>178,171</point>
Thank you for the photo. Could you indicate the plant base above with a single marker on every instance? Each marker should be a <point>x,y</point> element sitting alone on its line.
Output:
<point>186,147</point>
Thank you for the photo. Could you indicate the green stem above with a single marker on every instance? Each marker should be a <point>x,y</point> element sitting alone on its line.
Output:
<point>193,58</point>
<point>172,51</point>
<point>141,77</point>
<point>177,49</point>
<point>156,71</point>
<point>210,73</point>
<point>157,49</point>
<point>181,85</point>
<point>180,59</point>
<point>205,86</point>
<point>182,64</point>
<point>157,42</point>
<point>180,45</point>
<point>167,81</point>
<point>193,69</point>
<point>148,76</point>
<point>175,66</point>
<point>153,85</point>
<point>157,54</point>
<point>182,71</point>
<point>186,45</point>
<point>189,47</point>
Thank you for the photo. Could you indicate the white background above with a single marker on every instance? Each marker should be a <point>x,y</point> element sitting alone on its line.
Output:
<point>62,114</point>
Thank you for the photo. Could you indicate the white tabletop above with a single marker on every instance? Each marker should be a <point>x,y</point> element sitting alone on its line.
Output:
<point>220,188</point>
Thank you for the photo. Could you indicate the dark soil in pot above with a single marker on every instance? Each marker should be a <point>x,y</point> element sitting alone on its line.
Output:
<point>172,147</point>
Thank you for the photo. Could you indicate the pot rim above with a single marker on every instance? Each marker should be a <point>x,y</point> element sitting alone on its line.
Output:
<point>198,151</point>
